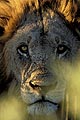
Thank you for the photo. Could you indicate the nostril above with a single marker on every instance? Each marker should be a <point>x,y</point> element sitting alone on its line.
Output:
<point>34,86</point>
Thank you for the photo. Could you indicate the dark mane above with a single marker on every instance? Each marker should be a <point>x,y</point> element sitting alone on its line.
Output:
<point>9,21</point>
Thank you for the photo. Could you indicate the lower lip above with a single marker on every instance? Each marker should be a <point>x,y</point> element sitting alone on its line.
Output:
<point>42,108</point>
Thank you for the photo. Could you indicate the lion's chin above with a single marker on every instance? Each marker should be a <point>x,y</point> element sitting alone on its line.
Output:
<point>42,108</point>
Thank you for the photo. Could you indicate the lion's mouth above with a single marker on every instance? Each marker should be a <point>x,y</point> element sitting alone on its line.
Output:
<point>43,107</point>
<point>43,100</point>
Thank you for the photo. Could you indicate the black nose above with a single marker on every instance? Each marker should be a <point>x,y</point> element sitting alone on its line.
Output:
<point>33,85</point>
<point>43,83</point>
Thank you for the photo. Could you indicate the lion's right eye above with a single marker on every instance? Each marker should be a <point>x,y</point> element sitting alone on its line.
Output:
<point>1,31</point>
<point>23,50</point>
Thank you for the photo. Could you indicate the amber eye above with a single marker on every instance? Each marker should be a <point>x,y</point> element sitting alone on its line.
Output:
<point>62,49</point>
<point>23,50</point>
<point>1,31</point>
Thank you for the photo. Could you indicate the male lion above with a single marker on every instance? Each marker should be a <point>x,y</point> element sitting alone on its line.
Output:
<point>35,36</point>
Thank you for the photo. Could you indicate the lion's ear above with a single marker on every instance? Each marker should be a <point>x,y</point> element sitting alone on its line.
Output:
<point>68,8</point>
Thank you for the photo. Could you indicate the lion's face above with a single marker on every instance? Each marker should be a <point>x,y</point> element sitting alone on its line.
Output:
<point>30,56</point>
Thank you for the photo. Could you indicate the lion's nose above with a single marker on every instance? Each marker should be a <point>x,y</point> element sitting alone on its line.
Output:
<point>34,85</point>
<point>41,79</point>
<point>44,84</point>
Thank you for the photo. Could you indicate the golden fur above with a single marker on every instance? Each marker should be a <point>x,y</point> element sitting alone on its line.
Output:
<point>11,12</point>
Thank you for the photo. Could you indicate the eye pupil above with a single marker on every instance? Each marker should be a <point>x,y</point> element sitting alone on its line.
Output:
<point>61,48</point>
<point>24,48</point>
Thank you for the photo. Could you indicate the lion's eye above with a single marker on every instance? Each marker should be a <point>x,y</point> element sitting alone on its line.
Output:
<point>1,31</point>
<point>62,49</point>
<point>23,50</point>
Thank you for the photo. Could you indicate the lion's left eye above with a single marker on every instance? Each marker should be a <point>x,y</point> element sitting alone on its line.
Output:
<point>62,49</point>
<point>23,50</point>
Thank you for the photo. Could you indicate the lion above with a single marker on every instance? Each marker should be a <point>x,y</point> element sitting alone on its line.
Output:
<point>35,36</point>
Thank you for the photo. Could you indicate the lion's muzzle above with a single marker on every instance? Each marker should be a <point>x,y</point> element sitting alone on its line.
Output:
<point>40,79</point>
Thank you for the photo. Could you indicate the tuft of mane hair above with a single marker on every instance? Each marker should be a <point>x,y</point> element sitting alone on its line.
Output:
<point>12,13</point>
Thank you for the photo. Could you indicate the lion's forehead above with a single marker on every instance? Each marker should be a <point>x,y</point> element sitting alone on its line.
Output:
<point>47,30</point>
